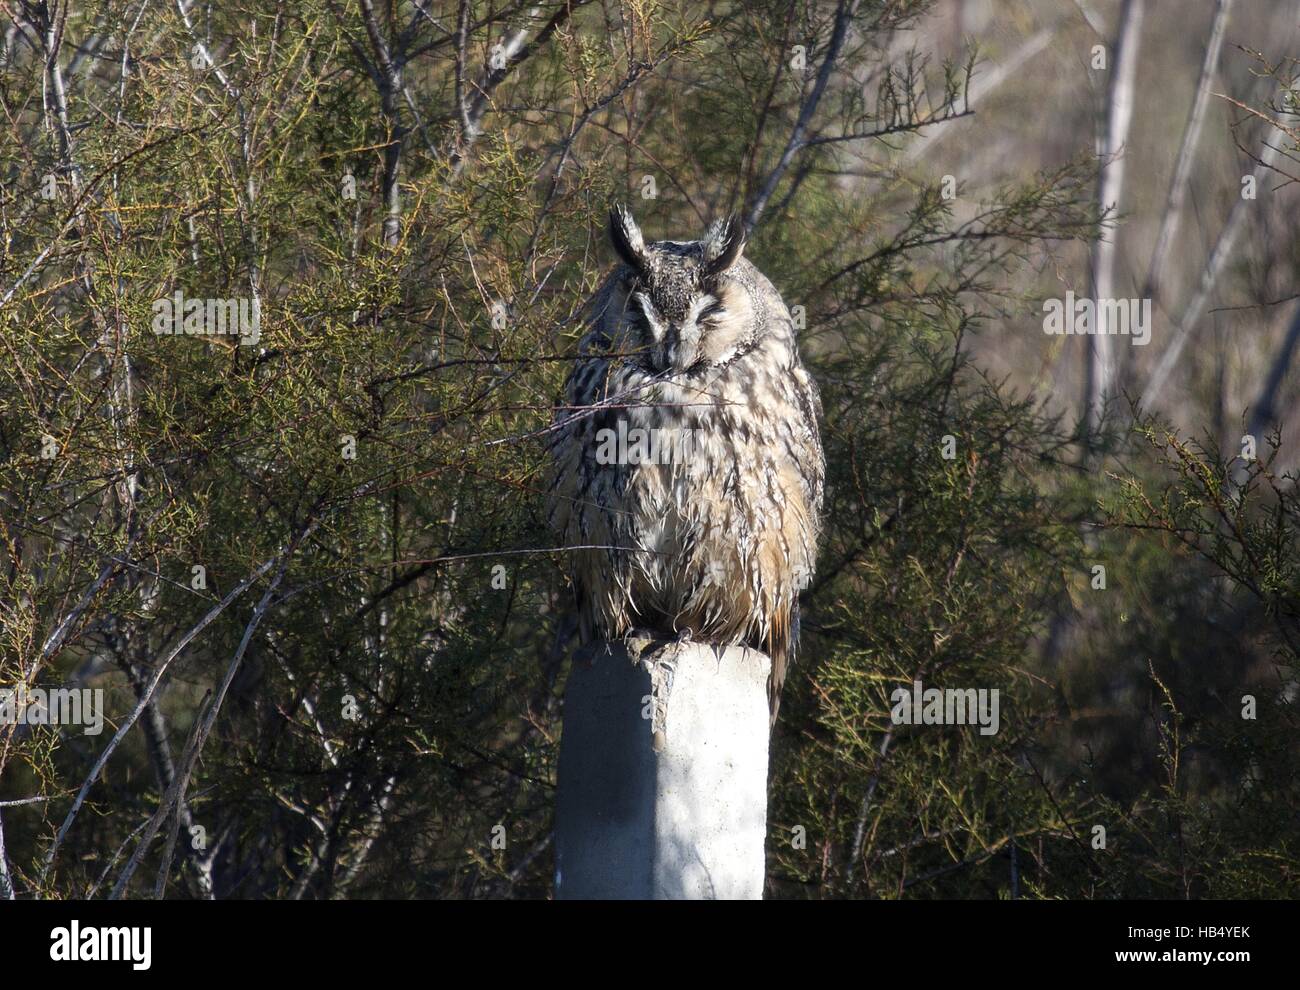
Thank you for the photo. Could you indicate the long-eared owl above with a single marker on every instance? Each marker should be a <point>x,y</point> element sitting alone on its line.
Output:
<point>688,467</point>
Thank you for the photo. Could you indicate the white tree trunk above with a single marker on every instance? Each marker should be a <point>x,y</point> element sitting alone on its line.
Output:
<point>1099,382</point>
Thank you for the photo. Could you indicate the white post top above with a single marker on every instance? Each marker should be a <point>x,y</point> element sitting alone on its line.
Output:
<point>663,773</point>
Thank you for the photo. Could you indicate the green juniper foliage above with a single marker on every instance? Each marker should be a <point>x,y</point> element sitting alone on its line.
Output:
<point>309,570</point>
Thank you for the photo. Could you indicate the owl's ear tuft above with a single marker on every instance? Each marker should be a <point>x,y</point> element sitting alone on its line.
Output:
<point>625,236</point>
<point>723,243</point>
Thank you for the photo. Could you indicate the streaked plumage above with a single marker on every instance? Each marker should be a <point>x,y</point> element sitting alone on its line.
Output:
<point>716,544</point>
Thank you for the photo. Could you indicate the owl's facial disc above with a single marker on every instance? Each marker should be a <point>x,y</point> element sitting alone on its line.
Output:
<point>683,346</point>
<point>675,291</point>
<point>674,344</point>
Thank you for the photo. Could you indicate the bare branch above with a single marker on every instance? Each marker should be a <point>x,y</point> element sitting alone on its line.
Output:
<point>1173,214</point>
<point>844,12</point>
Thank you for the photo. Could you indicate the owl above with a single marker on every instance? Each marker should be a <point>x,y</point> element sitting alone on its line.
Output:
<point>687,466</point>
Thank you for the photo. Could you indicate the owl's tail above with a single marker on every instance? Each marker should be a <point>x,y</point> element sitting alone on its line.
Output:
<point>776,681</point>
<point>782,641</point>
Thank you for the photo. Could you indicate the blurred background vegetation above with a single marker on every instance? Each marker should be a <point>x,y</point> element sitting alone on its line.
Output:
<point>359,692</point>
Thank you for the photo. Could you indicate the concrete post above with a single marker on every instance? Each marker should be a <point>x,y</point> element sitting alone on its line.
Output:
<point>663,773</point>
